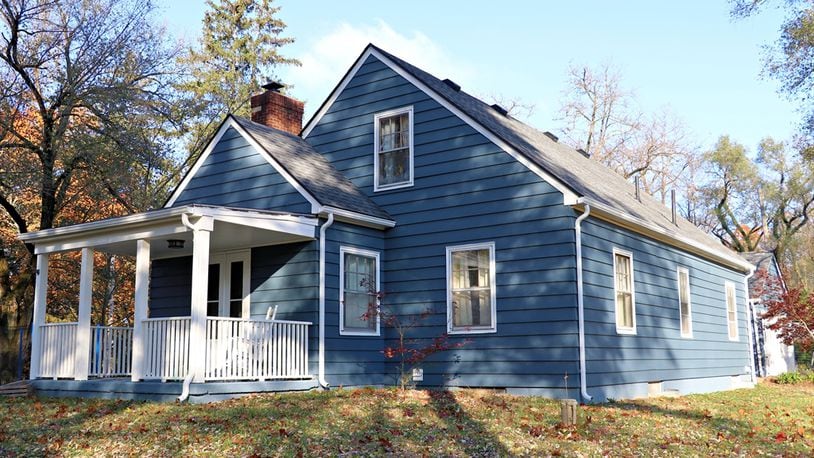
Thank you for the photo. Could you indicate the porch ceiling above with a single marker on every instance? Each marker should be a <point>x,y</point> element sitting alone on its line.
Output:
<point>232,229</point>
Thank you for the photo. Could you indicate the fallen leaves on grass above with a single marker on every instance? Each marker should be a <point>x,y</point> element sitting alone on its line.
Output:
<point>769,420</point>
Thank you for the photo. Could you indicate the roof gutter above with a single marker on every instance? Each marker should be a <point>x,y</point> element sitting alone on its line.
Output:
<point>654,231</point>
<point>583,384</point>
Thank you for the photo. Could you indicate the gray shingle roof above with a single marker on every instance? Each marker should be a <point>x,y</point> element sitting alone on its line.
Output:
<point>761,259</point>
<point>764,260</point>
<point>311,169</point>
<point>586,177</point>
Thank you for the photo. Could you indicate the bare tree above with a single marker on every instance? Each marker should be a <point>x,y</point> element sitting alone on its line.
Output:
<point>598,114</point>
<point>601,117</point>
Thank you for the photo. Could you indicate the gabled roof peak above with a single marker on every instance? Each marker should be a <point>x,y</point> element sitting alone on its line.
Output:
<point>571,172</point>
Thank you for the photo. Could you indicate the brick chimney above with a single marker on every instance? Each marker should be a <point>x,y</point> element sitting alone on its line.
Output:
<point>277,110</point>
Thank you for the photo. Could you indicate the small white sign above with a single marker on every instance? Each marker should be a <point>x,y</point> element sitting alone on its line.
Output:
<point>418,375</point>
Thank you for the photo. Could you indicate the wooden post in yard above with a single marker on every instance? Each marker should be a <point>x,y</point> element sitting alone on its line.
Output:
<point>568,412</point>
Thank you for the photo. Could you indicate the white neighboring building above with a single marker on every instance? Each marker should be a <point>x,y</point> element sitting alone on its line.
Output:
<point>772,356</point>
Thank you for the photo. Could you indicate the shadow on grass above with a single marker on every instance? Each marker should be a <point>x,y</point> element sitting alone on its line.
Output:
<point>472,437</point>
<point>704,418</point>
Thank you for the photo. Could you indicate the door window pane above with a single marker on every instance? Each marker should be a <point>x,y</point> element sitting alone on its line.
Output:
<point>236,283</point>
<point>212,290</point>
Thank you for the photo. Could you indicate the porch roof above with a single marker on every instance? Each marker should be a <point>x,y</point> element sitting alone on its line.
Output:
<point>232,228</point>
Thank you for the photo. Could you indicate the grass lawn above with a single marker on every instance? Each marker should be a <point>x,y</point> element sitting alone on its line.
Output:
<point>768,420</point>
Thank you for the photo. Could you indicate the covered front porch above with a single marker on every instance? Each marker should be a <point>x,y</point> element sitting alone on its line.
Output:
<point>217,342</point>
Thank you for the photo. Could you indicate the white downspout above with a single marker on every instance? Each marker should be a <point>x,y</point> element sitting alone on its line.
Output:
<point>322,231</point>
<point>583,384</point>
<point>755,318</point>
<point>752,328</point>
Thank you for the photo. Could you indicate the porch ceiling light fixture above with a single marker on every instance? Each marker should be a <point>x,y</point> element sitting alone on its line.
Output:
<point>175,244</point>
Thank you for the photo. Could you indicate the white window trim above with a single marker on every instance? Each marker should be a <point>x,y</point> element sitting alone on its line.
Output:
<point>359,252</point>
<point>224,260</point>
<point>679,271</point>
<point>376,118</point>
<point>727,286</point>
<point>623,330</point>
<point>472,330</point>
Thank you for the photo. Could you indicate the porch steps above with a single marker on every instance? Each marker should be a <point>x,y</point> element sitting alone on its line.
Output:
<point>17,389</point>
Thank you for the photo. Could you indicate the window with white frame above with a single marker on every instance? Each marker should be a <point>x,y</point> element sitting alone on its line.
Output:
<point>471,288</point>
<point>358,290</point>
<point>393,149</point>
<point>684,310</point>
<point>731,311</point>
<point>625,296</point>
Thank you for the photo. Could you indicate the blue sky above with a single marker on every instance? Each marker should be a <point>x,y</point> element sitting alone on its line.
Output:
<point>686,57</point>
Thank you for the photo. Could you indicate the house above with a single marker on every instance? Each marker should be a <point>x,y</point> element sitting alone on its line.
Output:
<point>564,280</point>
<point>772,356</point>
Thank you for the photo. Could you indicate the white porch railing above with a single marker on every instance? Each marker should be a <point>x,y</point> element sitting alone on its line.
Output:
<point>235,349</point>
<point>58,347</point>
<point>167,348</point>
<point>238,349</point>
<point>111,351</point>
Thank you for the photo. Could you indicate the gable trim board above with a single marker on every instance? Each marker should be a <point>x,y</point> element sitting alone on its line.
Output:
<point>316,206</point>
<point>570,197</point>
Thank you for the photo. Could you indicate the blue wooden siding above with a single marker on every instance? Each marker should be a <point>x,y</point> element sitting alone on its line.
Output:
<point>466,190</point>
<point>237,175</point>
<point>170,287</point>
<point>350,360</point>
<point>657,352</point>
<point>288,276</point>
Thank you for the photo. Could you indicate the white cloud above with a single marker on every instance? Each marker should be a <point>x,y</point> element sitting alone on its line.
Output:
<point>328,58</point>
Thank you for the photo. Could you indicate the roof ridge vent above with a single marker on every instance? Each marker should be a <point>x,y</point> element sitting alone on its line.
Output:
<point>500,109</point>
<point>455,86</point>
<point>551,136</point>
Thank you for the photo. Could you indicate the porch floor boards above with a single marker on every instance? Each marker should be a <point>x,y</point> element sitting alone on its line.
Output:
<point>124,388</point>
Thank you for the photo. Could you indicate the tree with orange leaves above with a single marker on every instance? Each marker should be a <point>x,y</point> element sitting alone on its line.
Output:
<point>789,311</point>
<point>87,110</point>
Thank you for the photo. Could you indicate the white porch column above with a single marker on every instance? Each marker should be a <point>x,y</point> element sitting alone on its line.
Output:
<point>200,274</point>
<point>82,350</point>
<point>142,295</point>
<point>40,294</point>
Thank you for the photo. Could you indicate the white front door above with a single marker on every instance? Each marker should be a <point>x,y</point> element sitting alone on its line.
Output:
<point>229,284</point>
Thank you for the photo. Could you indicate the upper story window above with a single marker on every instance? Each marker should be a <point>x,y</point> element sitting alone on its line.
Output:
<point>731,311</point>
<point>625,296</point>
<point>393,149</point>
<point>684,311</point>
<point>471,288</point>
<point>358,291</point>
